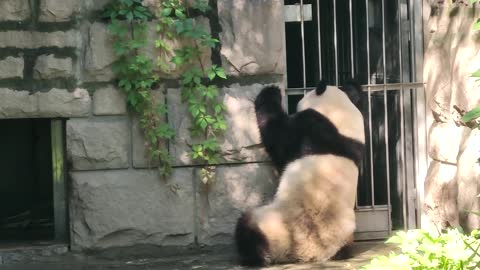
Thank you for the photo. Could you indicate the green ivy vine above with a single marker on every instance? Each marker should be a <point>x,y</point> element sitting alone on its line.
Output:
<point>138,74</point>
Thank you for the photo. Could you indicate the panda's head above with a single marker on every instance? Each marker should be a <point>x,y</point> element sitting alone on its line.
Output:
<point>340,105</point>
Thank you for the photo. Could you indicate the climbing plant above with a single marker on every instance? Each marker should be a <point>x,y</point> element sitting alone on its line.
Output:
<point>136,77</point>
<point>176,23</point>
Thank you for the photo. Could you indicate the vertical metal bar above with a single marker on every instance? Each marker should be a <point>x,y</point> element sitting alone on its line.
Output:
<point>335,39</point>
<point>369,96</point>
<point>350,8</point>
<point>59,183</point>
<point>385,107</point>
<point>420,105</point>
<point>302,31</point>
<point>319,42</point>
<point>402,120</point>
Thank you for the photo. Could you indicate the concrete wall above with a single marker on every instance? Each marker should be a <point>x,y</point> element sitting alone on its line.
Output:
<point>451,55</point>
<point>55,61</point>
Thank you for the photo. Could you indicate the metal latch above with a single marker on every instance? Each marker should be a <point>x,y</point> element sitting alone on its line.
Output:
<point>292,13</point>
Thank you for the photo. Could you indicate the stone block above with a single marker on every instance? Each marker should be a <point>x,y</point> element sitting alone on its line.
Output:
<point>14,10</point>
<point>241,142</point>
<point>440,205</point>
<point>50,67</point>
<point>128,207</point>
<point>468,180</point>
<point>139,154</point>
<point>17,104</point>
<point>55,103</point>
<point>11,67</point>
<point>440,149</point>
<point>95,5</point>
<point>99,54</point>
<point>34,40</point>
<point>63,103</point>
<point>235,189</point>
<point>252,36</point>
<point>58,10</point>
<point>98,143</point>
<point>109,101</point>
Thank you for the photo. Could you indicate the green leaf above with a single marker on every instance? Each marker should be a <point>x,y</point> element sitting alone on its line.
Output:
<point>166,12</point>
<point>221,73</point>
<point>476,74</point>
<point>211,74</point>
<point>471,115</point>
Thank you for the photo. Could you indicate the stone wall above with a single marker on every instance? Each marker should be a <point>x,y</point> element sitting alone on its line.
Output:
<point>55,62</point>
<point>451,55</point>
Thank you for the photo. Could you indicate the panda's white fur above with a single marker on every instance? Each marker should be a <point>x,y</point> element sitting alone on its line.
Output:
<point>312,214</point>
<point>348,120</point>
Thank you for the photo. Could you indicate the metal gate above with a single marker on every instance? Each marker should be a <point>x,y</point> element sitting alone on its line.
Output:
<point>379,43</point>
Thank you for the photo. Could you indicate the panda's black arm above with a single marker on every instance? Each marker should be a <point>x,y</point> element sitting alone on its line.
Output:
<point>273,123</point>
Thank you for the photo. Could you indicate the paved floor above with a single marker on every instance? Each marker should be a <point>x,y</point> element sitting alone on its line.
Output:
<point>139,258</point>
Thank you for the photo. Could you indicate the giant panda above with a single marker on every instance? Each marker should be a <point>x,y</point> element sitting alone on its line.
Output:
<point>318,152</point>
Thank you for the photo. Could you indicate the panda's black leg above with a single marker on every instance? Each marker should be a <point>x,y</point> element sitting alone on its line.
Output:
<point>346,252</point>
<point>272,122</point>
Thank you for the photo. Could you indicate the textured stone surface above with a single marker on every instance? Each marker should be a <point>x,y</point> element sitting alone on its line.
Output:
<point>62,103</point>
<point>252,36</point>
<point>14,10</point>
<point>236,188</point>
<point>126,207</point>
<point>439,148</point>
<point>98,143</point>
<point>28,39</point>
<point>49,67</point>
<point>440,204</point>
<point>95,5</point>
<point>58,10</point>
<point>17,104</point>
<point>241,142</point>
<point>451,56</point>
<point>109,101</point>
<point>468,179</point>
<point>55,103</point>
<point>139,154</point>
<point>11,67</point>
<point>99,54</point>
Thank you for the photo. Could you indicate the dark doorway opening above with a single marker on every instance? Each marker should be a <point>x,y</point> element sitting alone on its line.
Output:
<point>26,180</point>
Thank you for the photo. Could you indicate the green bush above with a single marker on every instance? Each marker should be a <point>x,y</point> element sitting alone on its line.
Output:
<point>420,250</point>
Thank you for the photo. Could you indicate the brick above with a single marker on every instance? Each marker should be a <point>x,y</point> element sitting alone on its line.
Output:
<point>11,67</point>
<point>58,10</point>
<point>50,67</point>
<point>63,103</point>
<point>127,207</point>
<point>109,101</point>
<point>14,10</point>
<point>54,103</point>
<point>98,143</point>
<point>99,54</point>
<point>33,40</point>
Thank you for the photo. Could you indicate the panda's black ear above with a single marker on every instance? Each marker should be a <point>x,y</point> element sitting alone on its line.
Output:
<point>321,87</point>
<point>353,89</point>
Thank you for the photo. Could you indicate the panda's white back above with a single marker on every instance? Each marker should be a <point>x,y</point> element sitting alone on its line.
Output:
<point>335,105</point>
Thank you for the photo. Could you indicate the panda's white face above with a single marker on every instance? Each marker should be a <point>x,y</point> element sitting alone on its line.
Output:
<point>335,105</point>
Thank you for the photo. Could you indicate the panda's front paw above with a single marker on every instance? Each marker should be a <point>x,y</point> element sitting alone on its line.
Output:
<point>269,95</point>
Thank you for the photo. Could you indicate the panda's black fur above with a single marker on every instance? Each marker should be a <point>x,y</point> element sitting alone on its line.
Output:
<point>303,147</point>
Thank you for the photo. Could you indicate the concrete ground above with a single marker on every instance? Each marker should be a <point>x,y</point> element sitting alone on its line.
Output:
<point>151,258</point>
